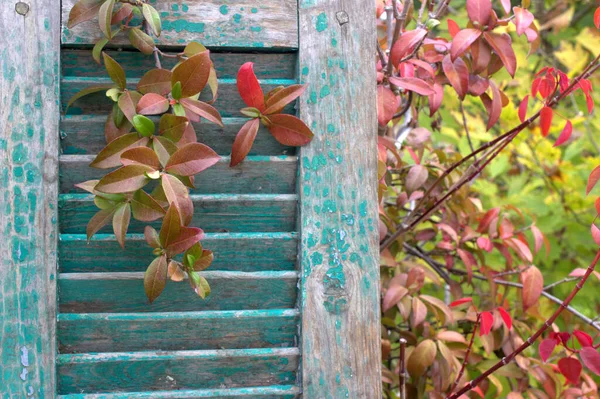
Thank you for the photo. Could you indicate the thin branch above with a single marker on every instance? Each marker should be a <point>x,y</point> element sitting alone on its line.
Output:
<point>559,282</point>
<point>402,368</point>
<point>464,118</point>
<point>466,359</point>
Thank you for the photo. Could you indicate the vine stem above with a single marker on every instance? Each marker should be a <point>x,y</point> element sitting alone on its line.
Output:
<point>466,359</point>
<point>505,360</point>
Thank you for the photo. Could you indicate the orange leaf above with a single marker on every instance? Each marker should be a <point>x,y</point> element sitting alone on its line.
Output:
<point>289,130</point>
<point>533,283</point>
<point>243,141</point>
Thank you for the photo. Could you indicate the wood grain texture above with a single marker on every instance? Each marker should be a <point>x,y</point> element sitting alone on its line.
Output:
<point>266,65</point>
<point>124,292</point>
<point>269,392</point>
<point>240,24</point>
<point>84,134</point>
<point>135,371</point>
<point>114,332</point>
<point>338,251</point>
<point>212,213</point>
<point>245,252</point>
<point>29,110</point>
<point>256,174</point>
<point>228,102</point>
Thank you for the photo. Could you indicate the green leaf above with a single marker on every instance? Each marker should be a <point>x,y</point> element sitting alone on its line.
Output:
<point>141,41</point>
<point>105,17</point>
<point>193,48</point>
<point>151,237</point>
<point>114,93</point>
<point>153,18</point>
<point>145,208</point>
<point>103,203</point>
<point>164,148</point>
<point>143,125</point>
<point>172,126</point>
<point>155,278</point>
<point>97,50</point>
<point>85,92</point>
<point>115,71</point>
<point>124,180</point>
<point>110,156</point>
<point>199,284</point>
<point>204,261</point>
<point>193,74</point>
<point>99,220</point>
<point>82,11</point>
<point>121,221</point>
<point>193,253</point>
<point>178,109</point>
<point>176,90</point>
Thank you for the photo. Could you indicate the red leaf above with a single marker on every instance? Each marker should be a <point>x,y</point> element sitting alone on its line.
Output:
<point>486,322</point>
<point>597,205</point>
<point>453,28</point>
<point>203,109</point>
<point>502,45</point>
<point>596,234</point>
<point>495,106</point>
<point>469,261</point>
<point>289,130</point>
<point>413,84</point>
<point>479,11</point>
<point>597,18</point>
<point>593,179</point>
<point>565,134</point>
<point>583,338</point>
<point>387,104</point>
<point>481,55</point>
<point>546,347</point>
<point>570,368</point>
<point>523,108</point>
<point>523,19</point>
<point>457,74</point>
<point>405,44</point>
<point>533,283</point>
<point>461,301</point>
<point>506,317</point>
<point>191,159</point>
<point>243,141</point>
<point>152,104</point>
<point>478,85</point>
<point>435,99</point>
<point>487,219</point>
<point>249,88</point>
<point>277,101</point>
<point>591,358</point>
<point>546,115</point>
<point>462,41</point>
<point>187,237</point>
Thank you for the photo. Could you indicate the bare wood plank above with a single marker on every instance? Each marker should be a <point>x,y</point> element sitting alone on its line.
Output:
<point>245,252</point>
<point>256,174</point>
<point>266,65</point>
<point>134,371</point>
<point>270,392</point>
<point>29,110</point>
<point>243,24</point>
<point>339,251</point>
<point>212,213</point>
<point>228,102</point>
<point>114,332</point>
<point>124,292</point>
<point>84,134</point>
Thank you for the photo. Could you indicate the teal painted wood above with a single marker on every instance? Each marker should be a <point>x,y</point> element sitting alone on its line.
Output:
<point>117,332</point>
<point>271,392</point>
<point>124,292</point>
<point>338,179</point>
<point>29,109</point>
<point>212,213</point>
<point>84,134</point>
<point>266,65</point>
<point>147,371</point>
<point>244,24</point>
<point>256,174</point>
<point>228,102</point>
<point>245,252</point>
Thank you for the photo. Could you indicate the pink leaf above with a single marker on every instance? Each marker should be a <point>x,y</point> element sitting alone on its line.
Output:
<point>387,104</point>
<point>596,234</point>
<point>583,338</point>
<point>413,84</point>
<point>393,295</point>
<point>486,322</point>
<point>462,41</point>
<point>435,99</point>
<point>546,115</point>
<point>479,11</point>
<point>533,283</point>
<point>565,134</point>
<point>591,358</point>
<point>249,88</point>
<point>546,347</point>
<point>592,180</point>
<point>461,301</point>
<point>505,317</point>
<point>152,104</point>
<point>505,6</point>
<point>502,45</point>
<point>457,74</point>
<point>538,238</point>
<point>523,19</point>
<point>453,28</point>
<point>405,44</point>
<point>570,368</point>
<point>485,244</point>
<point>523,108</point>
<point>495,106</point>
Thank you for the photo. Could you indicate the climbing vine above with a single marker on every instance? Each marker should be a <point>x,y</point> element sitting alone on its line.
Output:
<point>153,145</point>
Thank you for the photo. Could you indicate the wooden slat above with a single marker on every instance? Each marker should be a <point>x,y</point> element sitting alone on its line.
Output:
<point>147,371</point>
<point>212,213</point>
<point>84,134</point>
<point>266,65</point>
<point>29,110</point>
<point>271,392</point>
<point>242,24</point>
<point>341,355</point>
<point>228,102</point>
<point>117,332</point>
<point>256,174</point>
<point>124,292</point>
<point>233,252</point>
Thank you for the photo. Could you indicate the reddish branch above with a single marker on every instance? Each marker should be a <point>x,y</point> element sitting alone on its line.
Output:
<point>466,359</point>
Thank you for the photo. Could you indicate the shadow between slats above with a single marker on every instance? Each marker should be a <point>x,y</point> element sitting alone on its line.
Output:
<point>270,392</point>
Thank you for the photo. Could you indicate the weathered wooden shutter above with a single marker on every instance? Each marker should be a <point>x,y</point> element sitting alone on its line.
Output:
<point>294,307</point>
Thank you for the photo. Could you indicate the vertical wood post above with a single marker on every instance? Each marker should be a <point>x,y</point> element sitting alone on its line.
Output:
<point>338,177</point>
<point>29,116</point>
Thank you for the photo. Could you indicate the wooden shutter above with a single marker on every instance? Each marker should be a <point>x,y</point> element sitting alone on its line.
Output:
<point>294,308</point>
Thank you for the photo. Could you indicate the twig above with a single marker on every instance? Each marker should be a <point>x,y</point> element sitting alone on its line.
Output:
<point>402,369</point>
<point>564,280</point>
<point>466,359</point>
<point>464,118</point>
